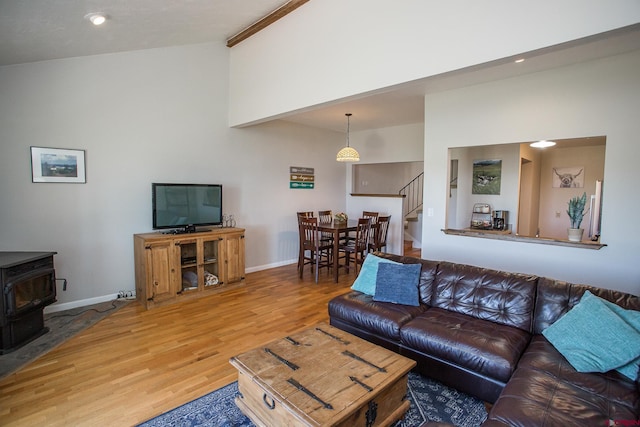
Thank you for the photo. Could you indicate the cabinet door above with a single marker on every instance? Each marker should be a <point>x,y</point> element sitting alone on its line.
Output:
<point>189,276</point>
<point>234,257</point>
<point>211,259</point>
<point>160,264</point>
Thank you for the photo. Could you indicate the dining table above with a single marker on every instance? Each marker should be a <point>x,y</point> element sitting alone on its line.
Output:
<point>336,228</point>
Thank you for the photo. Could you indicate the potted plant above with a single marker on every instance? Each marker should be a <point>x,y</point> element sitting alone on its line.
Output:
<point>576,212</point>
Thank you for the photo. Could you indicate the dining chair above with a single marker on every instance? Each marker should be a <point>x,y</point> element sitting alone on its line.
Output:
<point>326,217</point>
<point>313,252</point>
<point>307,214</point>
<point>304,214</point>
<point>371,215</point>
<point>359,246</point>
<point>378,239</point>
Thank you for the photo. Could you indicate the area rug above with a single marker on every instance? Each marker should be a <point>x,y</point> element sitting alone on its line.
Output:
<point>430,401</point>
<point>62,326</point>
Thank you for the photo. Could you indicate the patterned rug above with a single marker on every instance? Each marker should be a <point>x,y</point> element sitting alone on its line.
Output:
<point>430,401</point>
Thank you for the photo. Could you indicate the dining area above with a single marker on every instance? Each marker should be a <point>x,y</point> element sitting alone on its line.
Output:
<point>338,243</point>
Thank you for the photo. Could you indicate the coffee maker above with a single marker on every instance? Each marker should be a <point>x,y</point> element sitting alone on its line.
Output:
<point>500,220</point>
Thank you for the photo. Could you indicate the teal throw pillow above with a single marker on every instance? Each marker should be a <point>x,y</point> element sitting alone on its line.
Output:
<point>598,336</point>
<point>398,283</point>
<point>366,280</point>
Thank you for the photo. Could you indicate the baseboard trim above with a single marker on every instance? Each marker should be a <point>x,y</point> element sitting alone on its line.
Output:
<point>89,301</point>
<point>80,303</point>
<point>268,266</point>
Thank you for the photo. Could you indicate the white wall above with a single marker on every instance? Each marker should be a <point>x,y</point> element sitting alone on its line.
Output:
<point>148,116</point>
<point>384,206</point>
<point>393,144</point>
<point>335,49</point>
<point>555,200</point>
<point>507,200</point>
<point>384,178</point>
<point>591,98</point>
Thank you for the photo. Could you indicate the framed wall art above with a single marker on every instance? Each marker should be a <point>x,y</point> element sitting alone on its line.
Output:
<point>487,175</point>
<point>568,177</point>
<point>57,165</point>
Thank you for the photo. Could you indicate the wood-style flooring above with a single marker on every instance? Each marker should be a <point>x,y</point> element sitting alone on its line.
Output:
<point>136,364</point>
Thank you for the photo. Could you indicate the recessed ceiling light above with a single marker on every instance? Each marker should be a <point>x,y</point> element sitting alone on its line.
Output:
<point>542,144</point>
<point>96,18</point>
<point>519,60</point>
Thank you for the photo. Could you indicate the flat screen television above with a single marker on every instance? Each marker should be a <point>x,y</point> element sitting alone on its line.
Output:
<point>183,207</point>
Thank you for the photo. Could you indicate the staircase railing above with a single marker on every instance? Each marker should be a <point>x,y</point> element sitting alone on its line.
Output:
<point>412,193</point>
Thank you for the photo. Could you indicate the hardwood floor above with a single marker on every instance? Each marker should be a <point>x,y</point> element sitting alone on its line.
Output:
<point>136,364</point>
<point>409,250</point>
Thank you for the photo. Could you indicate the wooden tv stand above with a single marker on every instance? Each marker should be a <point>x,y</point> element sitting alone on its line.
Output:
<point>176,267</point>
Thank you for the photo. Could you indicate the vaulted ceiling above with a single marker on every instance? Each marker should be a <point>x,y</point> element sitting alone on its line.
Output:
<point>38,30</point>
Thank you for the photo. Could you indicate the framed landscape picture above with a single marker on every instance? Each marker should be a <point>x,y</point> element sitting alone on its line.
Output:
<point>57,165</point>
<point>487,175</point>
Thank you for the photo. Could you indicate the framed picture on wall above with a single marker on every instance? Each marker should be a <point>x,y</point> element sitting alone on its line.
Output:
<point>568,177</point>
<point>57,165</point>
<point>487,175</point>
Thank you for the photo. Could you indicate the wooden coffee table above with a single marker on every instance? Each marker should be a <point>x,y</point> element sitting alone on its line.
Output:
<point>322,376</point>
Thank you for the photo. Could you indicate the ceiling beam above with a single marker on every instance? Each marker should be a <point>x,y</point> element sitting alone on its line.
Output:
<point>283,10</point>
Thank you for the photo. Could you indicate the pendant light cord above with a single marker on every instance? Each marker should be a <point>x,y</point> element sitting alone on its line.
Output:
<point>348,126</point>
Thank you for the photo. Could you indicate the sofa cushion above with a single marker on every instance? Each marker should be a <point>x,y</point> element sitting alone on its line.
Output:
<point>546,390</point>
<point>427,273</point>
<point>398,283</point>
<point>597,336</point>
<point>482,346</point>
<point>366,280</point>
<point>381,318</point>
<point>496,296</point>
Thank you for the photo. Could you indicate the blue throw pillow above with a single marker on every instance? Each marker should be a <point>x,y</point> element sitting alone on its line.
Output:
<point>398,283</point>
<point>366,280</point>
<point>597,336</point>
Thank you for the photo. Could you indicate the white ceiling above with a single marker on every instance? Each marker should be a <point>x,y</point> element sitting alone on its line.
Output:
<point>38,30</point>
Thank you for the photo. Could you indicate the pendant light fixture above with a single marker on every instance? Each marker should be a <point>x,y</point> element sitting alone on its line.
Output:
<point>348,154</point>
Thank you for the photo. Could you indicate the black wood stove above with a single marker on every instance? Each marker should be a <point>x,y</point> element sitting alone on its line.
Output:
<point>28,283</point>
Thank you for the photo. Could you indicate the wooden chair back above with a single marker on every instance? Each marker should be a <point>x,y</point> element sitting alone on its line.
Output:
<point>308,214</point>
<point>380,230</point>
<point>363,234</point>
<point>319,253</point>
<point>325,216</point>
<point>373,216</point>
<point>359,245</point>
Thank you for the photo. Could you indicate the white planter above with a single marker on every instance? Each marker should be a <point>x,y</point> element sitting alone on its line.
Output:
<point>575,234</point>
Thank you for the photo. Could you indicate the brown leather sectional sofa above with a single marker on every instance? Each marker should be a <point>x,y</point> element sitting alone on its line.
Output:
<point>479,331</point>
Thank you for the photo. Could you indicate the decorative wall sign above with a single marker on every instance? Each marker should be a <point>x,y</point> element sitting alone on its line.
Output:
<point>568,177</point>
<point>487,176</point>
<point>304,185</point>
<point>303,170</point>
<point>57,165</point>
<point>301,177</point>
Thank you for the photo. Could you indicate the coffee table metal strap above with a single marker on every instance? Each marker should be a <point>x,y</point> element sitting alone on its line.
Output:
<point>360,359</point>
<point>309,393</point>
<point>281,359</point>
